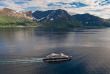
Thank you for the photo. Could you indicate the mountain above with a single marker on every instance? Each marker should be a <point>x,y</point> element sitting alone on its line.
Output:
<point>56,19</point>
<point>91,20</point>
<point>14,18</point>
<point>16,13</point>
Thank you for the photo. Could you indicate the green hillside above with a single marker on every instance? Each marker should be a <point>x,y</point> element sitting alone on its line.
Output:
<point>6,21</point>
<point>62,22</point>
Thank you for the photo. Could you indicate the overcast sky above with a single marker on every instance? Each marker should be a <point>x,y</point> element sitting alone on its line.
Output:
<point>99,8</point>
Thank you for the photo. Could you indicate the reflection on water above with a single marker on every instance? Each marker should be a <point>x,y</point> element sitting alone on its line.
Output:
<point>22,50</point>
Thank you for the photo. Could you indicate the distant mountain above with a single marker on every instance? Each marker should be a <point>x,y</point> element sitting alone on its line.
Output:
<point>91,20</point>
<point>14,18</point>
<point>56,19</point>
<point>16,13</point>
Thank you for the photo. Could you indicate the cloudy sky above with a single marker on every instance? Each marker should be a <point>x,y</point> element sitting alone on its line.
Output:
<point>99,8</point>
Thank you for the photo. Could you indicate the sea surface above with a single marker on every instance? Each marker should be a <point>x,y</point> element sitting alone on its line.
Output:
<point>22,51</point>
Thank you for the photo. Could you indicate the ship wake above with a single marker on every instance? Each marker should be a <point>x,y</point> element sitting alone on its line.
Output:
<point>16,61</point>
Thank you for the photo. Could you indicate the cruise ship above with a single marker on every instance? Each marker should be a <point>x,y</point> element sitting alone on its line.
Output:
<point>57,57</point>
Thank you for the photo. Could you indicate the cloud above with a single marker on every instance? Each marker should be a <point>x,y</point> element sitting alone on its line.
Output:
<point>1,7</point>
<point>11,4</point>
<point>95,7</point>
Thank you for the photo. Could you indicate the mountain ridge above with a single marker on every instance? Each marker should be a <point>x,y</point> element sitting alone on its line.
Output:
<point>15,18</point>
<point>50,19</point>
<point>91,20</point>
<point>56,19</point>
<point>16,13</point>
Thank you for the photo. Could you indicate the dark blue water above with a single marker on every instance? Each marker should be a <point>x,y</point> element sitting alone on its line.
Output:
<point>22,51</point>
